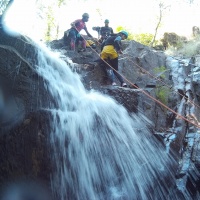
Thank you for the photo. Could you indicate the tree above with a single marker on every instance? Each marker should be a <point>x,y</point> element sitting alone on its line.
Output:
<point>162,9</point>
<point>60,3</point>
<point>47,12</point>
<point>143,38</point>
<point>50,24</point>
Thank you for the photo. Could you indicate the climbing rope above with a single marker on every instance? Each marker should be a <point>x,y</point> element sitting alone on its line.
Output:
<point>144,92</point>
<point>158,79</point>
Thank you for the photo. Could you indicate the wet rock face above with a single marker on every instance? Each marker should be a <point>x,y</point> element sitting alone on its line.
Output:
<point>24,125</point>
<point>137,64</point>
<point>25,151</point>
<point>22,90</point>
<point>126,97</point>
<point>134,65</point>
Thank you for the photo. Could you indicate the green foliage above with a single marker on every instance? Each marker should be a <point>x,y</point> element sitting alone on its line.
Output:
<point>162,94</point>
<point>143,38</point>
<point>61,2</point>
<point>130,35</point>
<point>159,71</point>
<point>48,14</point>
<point>50,24</point>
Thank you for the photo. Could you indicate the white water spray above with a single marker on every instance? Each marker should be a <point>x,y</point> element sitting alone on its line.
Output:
<point>100,151</point>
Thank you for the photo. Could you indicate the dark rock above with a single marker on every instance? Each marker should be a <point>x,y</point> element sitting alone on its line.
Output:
<point>24,125</point>
<point>25,151</point>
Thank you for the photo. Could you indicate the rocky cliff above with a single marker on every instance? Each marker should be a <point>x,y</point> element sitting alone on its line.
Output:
<point>157,85</point>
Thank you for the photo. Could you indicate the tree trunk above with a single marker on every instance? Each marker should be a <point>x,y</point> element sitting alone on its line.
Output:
<point>156,30</point>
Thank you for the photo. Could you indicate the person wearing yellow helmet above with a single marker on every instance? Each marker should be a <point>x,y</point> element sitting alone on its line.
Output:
<point>74,35</point>
<point>110,50</point>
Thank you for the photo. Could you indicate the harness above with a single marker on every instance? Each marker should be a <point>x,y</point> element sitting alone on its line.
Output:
<point>112,41</point>
<point>105,31</point>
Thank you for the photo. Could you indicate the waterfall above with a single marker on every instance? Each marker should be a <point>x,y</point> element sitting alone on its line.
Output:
<point>100,151</point>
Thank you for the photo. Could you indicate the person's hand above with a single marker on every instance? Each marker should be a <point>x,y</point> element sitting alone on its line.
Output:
<point>90,36</point>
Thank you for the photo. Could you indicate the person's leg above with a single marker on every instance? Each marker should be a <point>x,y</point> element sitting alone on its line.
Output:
<point>72,36</point>
<point>114,64</point>
<point>82,43</point>
<point>105,66</point>
<point>109,71</point>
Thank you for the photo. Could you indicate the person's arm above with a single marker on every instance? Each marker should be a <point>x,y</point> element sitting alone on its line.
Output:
<point>111,30</point>
<point>117,44</point>
<point>87,32</point>
<point>102,45</point>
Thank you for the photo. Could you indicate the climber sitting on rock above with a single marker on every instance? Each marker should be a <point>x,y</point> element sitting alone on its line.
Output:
<point>73,37</point>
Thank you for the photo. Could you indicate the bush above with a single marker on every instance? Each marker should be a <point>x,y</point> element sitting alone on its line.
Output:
<point>162,94</point>
<point>159,71</point>
<point>143,38</point>
<point>189,49</point>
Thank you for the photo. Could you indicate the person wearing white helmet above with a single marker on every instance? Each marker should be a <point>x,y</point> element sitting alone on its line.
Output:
<point>110,50</point>
<point>74,35</point>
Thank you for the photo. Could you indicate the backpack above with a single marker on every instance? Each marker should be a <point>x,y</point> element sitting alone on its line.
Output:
<point>90,43</point>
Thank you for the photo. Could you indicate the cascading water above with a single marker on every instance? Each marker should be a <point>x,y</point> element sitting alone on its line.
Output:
<point>100,151</point>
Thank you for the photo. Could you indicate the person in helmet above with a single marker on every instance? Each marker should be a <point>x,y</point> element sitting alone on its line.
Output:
<point>104,32</point>
<point>110,50</point>
<point>74,35</point>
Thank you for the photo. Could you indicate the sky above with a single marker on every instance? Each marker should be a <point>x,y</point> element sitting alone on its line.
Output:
<point>141,16</point>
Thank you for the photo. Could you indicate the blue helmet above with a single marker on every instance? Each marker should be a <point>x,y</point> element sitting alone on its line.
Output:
<point>124,33</point>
